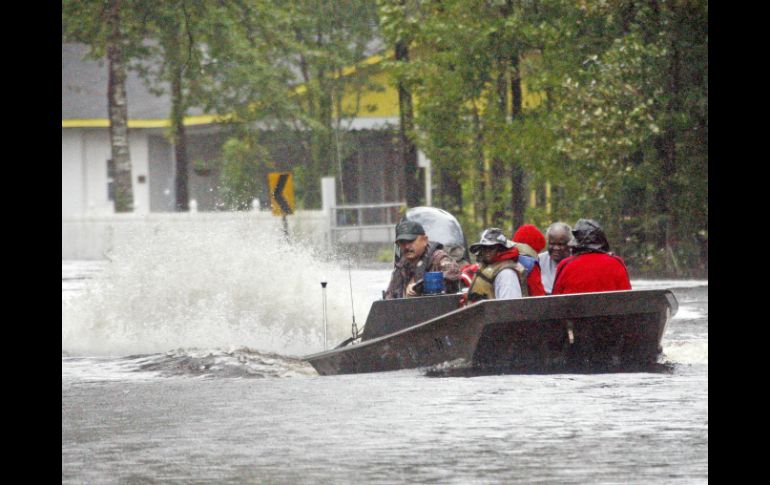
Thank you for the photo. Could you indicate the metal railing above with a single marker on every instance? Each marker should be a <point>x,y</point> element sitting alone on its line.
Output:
<point>356,223</point>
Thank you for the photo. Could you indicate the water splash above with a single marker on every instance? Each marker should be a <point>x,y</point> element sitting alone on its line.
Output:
<point>686,351</point>
<point>216,284</point>
<point>242,362</point>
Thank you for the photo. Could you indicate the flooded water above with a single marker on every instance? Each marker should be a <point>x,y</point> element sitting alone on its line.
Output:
<point>180,364</point>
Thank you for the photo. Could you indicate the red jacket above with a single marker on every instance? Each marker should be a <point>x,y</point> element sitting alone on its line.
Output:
<point>591,272</point>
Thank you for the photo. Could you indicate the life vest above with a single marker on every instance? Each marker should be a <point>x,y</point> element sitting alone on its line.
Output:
<point>467,274</point>
<point>483,287</point>
<point>525,249</point>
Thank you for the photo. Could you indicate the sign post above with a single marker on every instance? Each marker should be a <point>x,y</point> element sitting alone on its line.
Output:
<point>281,196</point>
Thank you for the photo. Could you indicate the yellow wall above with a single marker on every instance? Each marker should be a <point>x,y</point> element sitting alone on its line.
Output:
<point>381,103</point>
<point>384,103</point>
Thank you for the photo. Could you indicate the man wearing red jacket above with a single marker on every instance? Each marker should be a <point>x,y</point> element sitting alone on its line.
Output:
<point>592,267</point>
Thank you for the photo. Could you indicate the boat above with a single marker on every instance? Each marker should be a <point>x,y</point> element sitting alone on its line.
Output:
<point>584,332</point>
<point>616,331</point>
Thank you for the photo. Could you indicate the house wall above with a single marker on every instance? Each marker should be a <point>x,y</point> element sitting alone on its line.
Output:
<point>73,196</point>
<point>161,174</point>
<point>204,149</point>
<point>85,152</point>
<point>371,171</point>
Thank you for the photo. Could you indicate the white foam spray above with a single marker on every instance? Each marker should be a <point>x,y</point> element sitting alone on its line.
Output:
<point>686,351</point>
<point>216,284</point>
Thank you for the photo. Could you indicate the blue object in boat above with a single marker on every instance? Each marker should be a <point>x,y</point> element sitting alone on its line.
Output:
<point>433,283</point>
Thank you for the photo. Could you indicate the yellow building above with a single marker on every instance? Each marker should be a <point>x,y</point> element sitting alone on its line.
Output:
<point>371,170</point>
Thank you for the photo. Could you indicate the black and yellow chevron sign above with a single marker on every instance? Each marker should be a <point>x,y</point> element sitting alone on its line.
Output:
<point>281,193</point>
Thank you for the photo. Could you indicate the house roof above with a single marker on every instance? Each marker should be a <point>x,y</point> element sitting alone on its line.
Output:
<point>84,95</point>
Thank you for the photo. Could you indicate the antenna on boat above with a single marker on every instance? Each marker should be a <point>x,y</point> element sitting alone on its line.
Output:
<point>352,307</point>
<point>323,290</point>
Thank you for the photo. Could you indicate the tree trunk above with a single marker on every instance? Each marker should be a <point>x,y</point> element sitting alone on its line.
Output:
<point>518,188</point>
<point>481,171</point>
<point>668,158</point>
<point>451,191</point>
<point>322,148</point>
<point>518,197</point>
<point>118,112</point>
<point>180,142</point>
<point>497,166</point>
<point>407,149</point>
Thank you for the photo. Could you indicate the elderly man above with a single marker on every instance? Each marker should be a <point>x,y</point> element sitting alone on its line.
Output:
<point>500,275</point>
<point>558,235</point>
<point>592,267</point>
<point>418,256</point>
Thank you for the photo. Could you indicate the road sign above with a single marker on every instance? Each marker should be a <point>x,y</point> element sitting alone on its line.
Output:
<point>281,193</point>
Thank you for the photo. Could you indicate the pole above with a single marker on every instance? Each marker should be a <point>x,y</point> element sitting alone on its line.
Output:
<point>354,328</point>
<point>285,228</point>
<point>323,286</point>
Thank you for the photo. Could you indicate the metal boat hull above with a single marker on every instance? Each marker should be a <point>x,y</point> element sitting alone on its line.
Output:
<point>609,331</point>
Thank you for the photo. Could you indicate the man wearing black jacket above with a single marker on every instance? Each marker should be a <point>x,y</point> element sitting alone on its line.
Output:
<point>418,256</point>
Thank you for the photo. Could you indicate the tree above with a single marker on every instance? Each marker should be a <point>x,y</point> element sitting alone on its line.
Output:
<point>108,27</point>
<point>398,25</point>
<point>467,82</point>
<point>614,115</point>
<point>175,41</point>
<point>277,67</point>
<point>634,121</point>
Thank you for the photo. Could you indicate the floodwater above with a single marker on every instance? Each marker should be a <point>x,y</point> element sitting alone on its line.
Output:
<point>181,364</point>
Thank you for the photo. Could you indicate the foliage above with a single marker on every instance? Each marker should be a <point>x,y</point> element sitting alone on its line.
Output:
<point>279,65</point>
<point>620,132</point>
<point>112,30</point>
<point>605,102</point>
<point>243,174</point>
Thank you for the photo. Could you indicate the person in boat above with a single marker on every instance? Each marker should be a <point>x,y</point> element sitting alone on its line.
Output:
<point>418,256</point>
<point>592,267</point>
<point>558,236</point>
<point>527,240</point>
<point>500,274</point>
<point>530,241</point>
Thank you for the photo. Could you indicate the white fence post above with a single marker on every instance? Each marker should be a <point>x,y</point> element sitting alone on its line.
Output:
<point>328,201</point>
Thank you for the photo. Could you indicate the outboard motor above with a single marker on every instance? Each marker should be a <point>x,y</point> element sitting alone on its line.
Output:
<point>440,226</point>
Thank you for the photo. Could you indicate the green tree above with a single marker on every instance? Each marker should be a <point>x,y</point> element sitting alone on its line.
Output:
<point>110,29</point>
<point>262,52</point>
<point>634,124</point>
<point>398,26</point>
<point>467,79</point>
<point>621,131</point>
<point>175,42</point>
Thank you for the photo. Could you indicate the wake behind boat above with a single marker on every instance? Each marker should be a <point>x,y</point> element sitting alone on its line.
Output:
<point>608,331</point>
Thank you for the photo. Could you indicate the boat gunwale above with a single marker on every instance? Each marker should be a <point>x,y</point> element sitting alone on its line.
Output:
<point>486,306</point>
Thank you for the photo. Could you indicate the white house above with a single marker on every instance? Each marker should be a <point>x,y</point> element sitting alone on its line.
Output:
<point>371,174</point>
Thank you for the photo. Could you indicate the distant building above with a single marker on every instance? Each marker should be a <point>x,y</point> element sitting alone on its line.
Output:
<point>371,173</point>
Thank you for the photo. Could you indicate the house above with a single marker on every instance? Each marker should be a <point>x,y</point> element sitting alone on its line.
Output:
<point>371,173</point>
